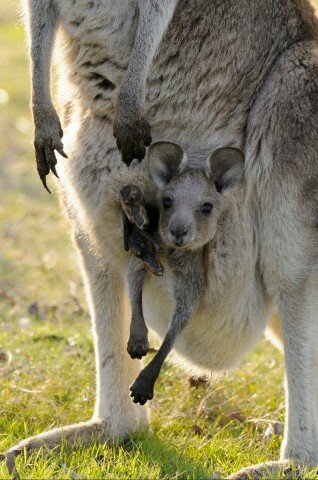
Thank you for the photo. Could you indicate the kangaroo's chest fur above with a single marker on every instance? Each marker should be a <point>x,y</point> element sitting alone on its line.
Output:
<point>207,71</point>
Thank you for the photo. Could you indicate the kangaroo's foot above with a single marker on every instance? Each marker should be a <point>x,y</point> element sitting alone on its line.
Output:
<point>86,433</point>
<point>269,471</point>
<point>132,138</point>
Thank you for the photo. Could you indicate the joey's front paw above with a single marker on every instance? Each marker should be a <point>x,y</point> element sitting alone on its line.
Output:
<point>138,347</point>
<point>142,389</point>
<point>146,248</point>
<point>132,138</point>
<point>133,204</point>
<point>48,134</point>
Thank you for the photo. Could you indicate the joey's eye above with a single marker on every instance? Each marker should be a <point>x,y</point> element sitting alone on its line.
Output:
<point>167,203</point>
<point>206,208</point>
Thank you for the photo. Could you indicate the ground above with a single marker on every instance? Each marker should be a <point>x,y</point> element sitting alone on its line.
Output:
<point>45,330</point>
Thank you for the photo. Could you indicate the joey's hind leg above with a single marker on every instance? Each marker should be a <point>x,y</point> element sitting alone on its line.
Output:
<point>186,305</point>
<point>138,344</point>
<point>115,415</point>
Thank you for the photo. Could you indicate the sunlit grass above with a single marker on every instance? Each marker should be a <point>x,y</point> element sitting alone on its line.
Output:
<point>45,326</point>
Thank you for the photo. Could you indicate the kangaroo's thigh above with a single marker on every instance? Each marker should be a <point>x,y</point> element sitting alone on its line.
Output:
<point>88,180</point>
<point>282,166</point>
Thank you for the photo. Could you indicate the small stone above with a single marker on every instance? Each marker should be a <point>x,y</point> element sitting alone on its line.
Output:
<point>196,382</point>
<point>216,476</point>
<point>278,428</point>
<point>275,428</point>
<point>24,323</point>
<point>197,429</point>
<point>5,357</point>
<point>34,310</point>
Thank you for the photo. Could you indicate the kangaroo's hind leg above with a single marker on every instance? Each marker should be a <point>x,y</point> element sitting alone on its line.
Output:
<point>282,165</point>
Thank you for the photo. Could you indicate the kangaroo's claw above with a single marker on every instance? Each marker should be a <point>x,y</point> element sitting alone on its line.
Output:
<point>48,134</point>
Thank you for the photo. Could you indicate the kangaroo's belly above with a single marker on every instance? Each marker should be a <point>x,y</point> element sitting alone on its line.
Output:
<point>226,326</point>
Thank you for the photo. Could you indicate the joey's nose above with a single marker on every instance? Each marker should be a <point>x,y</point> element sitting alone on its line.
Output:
<point>178,235</point>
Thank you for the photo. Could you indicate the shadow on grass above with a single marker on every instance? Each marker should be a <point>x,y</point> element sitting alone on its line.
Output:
<point>168,459</point>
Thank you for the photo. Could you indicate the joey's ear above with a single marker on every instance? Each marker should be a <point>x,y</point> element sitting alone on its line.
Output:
<point>165,161</point>
<point>226,166</point>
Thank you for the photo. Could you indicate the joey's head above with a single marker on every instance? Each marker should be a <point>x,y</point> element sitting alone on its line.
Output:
<point>191,199</point>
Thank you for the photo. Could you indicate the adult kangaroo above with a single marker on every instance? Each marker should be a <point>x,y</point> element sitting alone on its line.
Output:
<point>217,73</point>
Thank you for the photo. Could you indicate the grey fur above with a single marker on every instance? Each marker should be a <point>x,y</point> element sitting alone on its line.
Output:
<point>226,73</point>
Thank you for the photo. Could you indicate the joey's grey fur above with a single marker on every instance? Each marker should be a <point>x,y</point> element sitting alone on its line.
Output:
<point>225,73</point>
<point>188,225</point>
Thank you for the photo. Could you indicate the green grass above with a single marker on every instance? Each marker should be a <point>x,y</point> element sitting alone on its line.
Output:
<point>45,326</point>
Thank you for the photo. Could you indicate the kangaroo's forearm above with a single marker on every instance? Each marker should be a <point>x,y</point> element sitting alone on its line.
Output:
<point>154,17</point>
<point>42,28</point>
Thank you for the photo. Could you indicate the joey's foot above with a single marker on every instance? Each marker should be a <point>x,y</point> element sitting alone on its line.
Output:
<point>48,134</point>
<point>143,246</point>
<point>142,388</point>
<point>138,347</point>
<point>269,471</point>
<point>133,204</point>
<point>132,138</point>
<point>85,433</point>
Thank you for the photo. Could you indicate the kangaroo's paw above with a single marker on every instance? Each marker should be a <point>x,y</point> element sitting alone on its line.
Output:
<point>269,471</point>
<point>133,204</point>
<point>85,433</point>
<point>48,134</point>
<point>132,138</point>
<point>138,346</point>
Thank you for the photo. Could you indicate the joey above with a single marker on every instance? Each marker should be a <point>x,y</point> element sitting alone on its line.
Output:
<point>187,224</point>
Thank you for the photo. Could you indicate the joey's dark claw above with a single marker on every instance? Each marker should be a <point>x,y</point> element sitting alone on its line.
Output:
<point>142,245</point>
<point>153,264</point>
